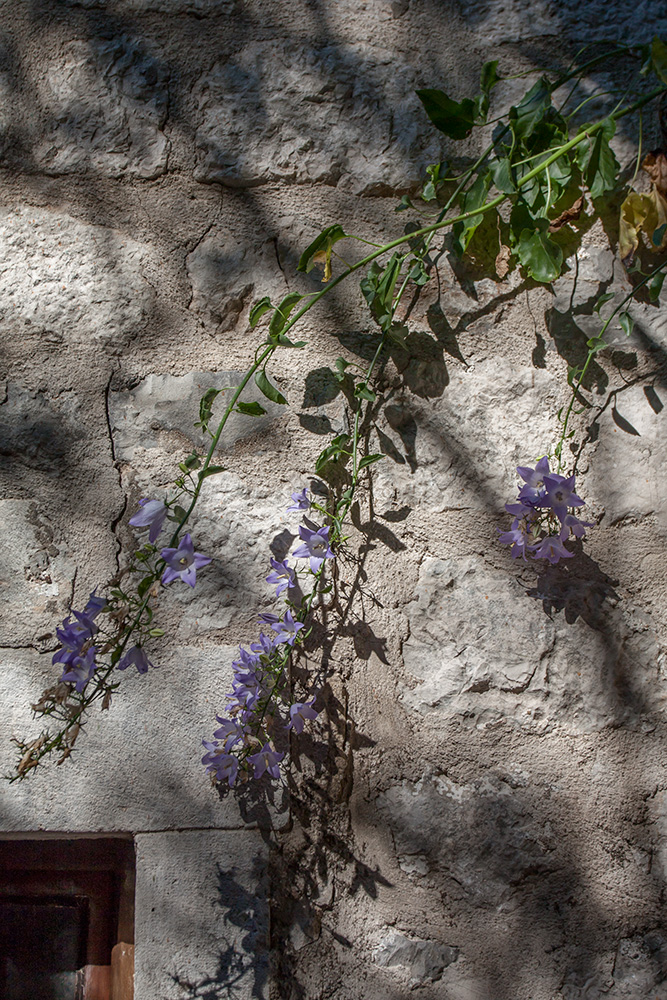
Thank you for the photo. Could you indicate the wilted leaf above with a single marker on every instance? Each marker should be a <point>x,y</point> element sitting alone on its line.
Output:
<point>569,215</point>
<point>503,262</point>
<point>635,210</point>
<point>655,165</point>
<point>321,245</point>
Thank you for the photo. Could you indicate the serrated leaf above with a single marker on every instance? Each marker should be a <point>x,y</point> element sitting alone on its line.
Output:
<point>250,409</point>
<point>531,109</point>
<point>268,389</point>
<point>282,312</point>
<point>322,244</point>
<point>599,167</point>
<point>455,119</point>
<point>369,460</point>
<point>541,257</point>
<point>212,470</point>
<point>627,323</point>
<point>258,310</point>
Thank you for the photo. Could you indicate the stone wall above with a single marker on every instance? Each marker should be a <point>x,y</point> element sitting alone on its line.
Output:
<point>481,812</point>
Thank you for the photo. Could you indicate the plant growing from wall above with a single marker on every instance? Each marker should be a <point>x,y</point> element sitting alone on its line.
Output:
<point>531,181</point>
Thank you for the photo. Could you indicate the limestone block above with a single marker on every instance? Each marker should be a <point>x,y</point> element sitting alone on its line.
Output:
<point>201,915</point>
<point>108,104</point>
<point>64,281</point>
<point>227,275</point>
<point>144,417</point>
<point>479,839</point>
<point>482,644</point>
<point>518,20</point>
<point>636,971</point>
<point>338,115</point>
<point>627,473</point>
<point>36,574</point>
<point>423,961</point>
<point>461,448</point>
<point>135,767</point>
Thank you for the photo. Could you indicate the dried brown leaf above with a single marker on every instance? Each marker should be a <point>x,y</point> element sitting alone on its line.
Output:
<point>569,215</point>
<point>503,262</point>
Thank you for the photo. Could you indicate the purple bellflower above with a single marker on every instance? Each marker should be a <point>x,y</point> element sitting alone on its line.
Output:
<point>518,538</point>
<point>265,646</point>
<point>552,549</point>
<point>183,562</point>
<point>224,765</point>
<point>151,514</point>
<point>574,525</point>
<point>282,576</point>
<point>559,495</point>
<point>298,714</point>
<point>287,629</point>
<point>315,546</point>
<point>266,760</point>
<point>136,656</point>
<point>301,501</point>
<point>81,669</point>
<point>268,618</point>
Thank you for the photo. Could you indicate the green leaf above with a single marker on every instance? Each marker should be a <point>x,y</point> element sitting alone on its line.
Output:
<point>488,79</point>
<point>258,310</point>
<point>489,76</point>
<point>268,389</point>
<point>362,391</point>
<point>144,585</point>
<point>541,257</point>
<point>250,409</point>
<point>404,204</point>
<point>282,312</point>
<point>212,470</point>
<point>430,188</point>
<point>470,200</point>
<point>627,323</point>
<point>596,344</point>
<point>332,452</point>
<point>418,273</point>
<point>501,172</point>
<point>192,461</point>
<point>659,235</point>
<point>378,289</point>
<point>206,405</point>
<point>607,297</point>
<point>286,342</point>
<point>397,334</point>
<point>179,512</point>
<point>659,58</point>
<point>599,167</point>
<point>451,117</point>
<point>655,286</point>
<point>320,248</point>
<point>155,633</point>
<point>369,459</point>
<point>532,108</point>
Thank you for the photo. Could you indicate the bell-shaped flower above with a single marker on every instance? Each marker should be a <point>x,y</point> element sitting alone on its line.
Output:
<point>315,546</point>
<point>81,669</point>
<point>282,576</point>
<point>151,514</point>
<point>300,501</point>
<point>224,765</point>
<point>298,714</point>
<point>183,562</point>
<point>287,629</point>
<point>559,495</point>
<point>552,549</point>
<point>137,657</point>
<point>266,760</point>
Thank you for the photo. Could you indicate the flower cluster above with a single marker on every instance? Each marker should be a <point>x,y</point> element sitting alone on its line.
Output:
<point>79,632</point>
<point>543,518</point>
<point>258,711</point>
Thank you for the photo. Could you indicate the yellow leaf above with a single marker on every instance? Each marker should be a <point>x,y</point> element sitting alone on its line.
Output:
<point>636,211</point>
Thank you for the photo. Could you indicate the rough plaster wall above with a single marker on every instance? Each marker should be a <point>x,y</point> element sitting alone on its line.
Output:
<point>482,811</point>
